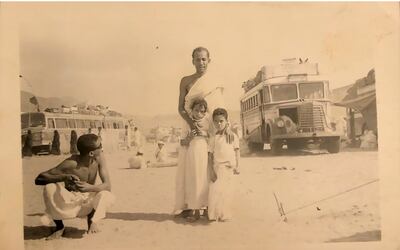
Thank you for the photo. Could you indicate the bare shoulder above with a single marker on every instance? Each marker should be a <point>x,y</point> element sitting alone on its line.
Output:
<point>101,162</point>
<point>68,163</point>
<point>186,81</point>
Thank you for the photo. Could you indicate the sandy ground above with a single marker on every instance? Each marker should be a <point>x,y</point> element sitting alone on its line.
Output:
<point>141,217</point>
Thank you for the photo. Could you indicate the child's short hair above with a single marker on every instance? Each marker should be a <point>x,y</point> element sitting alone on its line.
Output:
<point>87,143</point>
<point>220,111</point>
<point>200,102</point>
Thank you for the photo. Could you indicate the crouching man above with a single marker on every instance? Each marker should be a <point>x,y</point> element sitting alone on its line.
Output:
<point>70,190</point>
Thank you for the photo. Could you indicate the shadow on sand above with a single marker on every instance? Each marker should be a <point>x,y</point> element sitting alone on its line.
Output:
<point>285,152</point>
<point>158,217</point>
<point>41,232</point>
<point>35,214</point>
<point>140,216</point>
<point>361,237</point>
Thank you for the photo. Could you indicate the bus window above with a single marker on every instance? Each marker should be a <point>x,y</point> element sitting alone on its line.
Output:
<point>120,124</point>
<point>283,92</point>
<point>71,123</point>
<point>311,90</point>
<point>114,125</point>
<point>266,95</point>
<point>80,123</point>
<point>37,119</point>
<point>50,123</point>
<point>61,123</point>
<point>24,120</point>
<point>107,123</point>
<point>87,124</point>
<point>92,124</point>
<point>98,123</point>
<point>103,125</point>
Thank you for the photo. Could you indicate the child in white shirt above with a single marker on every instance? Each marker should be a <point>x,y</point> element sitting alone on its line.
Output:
<point>223,165</point>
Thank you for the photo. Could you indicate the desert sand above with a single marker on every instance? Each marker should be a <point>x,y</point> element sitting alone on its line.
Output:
<point>326,197</point>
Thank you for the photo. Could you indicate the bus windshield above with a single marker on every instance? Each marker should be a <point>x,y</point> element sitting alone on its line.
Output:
<point>283,92</point>
<point>311,90</point>
<point>37,119</point>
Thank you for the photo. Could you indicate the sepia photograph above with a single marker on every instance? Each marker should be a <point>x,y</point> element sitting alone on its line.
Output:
<point>189,125</point>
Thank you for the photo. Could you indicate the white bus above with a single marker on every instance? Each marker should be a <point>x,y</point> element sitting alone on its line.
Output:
<point>287,105</point>
<point>43,124</point>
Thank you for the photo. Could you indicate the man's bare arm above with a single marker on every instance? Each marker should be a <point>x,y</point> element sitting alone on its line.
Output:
<point>57,174</point>
<point>181,106</point>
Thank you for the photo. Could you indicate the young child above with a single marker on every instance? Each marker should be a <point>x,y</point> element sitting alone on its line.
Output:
<point>198,113</point>
<point>223,165</point>
<point>196,172</point>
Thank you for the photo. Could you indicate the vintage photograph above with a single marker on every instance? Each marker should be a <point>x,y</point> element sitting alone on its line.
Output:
<point>199,125</point>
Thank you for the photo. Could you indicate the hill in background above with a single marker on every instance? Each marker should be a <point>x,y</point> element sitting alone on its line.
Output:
<point>45,102</point>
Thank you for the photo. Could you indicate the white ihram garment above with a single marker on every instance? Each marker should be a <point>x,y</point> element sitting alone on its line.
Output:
<point>191,190</point>
<point>62,204</point>
<point>222,190</point>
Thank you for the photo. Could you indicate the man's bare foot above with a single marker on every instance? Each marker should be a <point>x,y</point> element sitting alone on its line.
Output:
<point>93,228</point>
<point>56,234</point>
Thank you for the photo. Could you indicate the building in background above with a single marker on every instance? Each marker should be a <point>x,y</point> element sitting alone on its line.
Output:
<point>359,99</point>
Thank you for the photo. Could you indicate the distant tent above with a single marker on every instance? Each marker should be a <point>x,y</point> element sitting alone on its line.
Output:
<point>360,96</point>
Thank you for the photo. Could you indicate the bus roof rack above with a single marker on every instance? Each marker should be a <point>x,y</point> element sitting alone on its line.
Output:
<point>281,70</point>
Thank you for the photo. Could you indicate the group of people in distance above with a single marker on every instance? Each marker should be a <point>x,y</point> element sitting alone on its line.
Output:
<point>207,162</point>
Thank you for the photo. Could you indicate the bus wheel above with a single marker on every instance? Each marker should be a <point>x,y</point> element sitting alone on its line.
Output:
<point>255,146</point>
<point>333,145</point>
<point>276,147</point>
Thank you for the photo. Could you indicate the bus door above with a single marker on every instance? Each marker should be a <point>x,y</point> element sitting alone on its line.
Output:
<point>261,106</point>
<point>261,113</point>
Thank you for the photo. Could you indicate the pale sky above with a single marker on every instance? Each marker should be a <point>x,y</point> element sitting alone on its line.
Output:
<point>105,53</point>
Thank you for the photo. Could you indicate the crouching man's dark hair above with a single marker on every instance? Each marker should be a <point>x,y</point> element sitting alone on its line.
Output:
<point>87,143</point>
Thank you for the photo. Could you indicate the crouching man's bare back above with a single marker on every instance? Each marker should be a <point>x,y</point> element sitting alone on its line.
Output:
<point>70,190</point>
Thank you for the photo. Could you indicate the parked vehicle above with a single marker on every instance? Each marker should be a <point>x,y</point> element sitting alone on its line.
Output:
<point>287,104</point>
<point>43,124</point>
